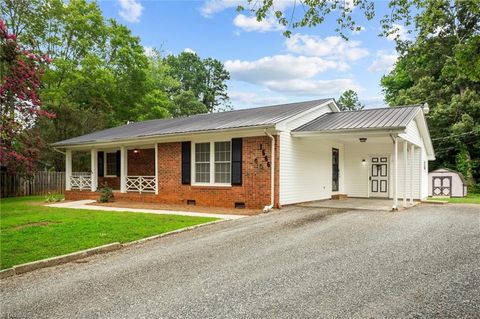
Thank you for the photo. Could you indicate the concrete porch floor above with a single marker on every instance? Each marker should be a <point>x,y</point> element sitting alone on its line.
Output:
<point>357,203</point>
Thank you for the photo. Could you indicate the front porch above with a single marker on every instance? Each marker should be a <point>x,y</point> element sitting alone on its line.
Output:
<point>124,169</point>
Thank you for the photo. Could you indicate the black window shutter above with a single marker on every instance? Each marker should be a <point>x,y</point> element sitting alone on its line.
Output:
<point>236,161</point>
<point>100,164</point>
<point>118,163</point>
<point>186,160</point>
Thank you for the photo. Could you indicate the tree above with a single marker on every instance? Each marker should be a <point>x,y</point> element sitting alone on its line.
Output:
<point>348,101</point>
<point>205,79</point>
<point>21,72</point>
<point>216,96</point>
<point>442,67</point>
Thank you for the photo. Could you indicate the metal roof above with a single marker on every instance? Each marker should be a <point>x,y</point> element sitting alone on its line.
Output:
<point>382,118</point>
<point>260,116</point>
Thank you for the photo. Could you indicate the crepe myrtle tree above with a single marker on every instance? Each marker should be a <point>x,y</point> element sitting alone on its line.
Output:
<point>21,72</point>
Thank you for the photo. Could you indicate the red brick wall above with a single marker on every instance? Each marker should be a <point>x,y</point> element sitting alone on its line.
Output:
<point>141,163</point>
<point>254,191</point>
<point>113,182</point>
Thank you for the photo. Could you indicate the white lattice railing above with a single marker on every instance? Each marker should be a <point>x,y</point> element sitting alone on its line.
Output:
<point>81,181</point>
<point>141,184</point>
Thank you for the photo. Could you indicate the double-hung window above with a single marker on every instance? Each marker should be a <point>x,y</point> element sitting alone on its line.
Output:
<point>213,162</point>
<point>111,164</point>
<point>202,162</point>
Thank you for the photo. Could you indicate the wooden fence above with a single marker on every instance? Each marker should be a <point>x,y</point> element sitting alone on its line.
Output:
<point>42,183</point>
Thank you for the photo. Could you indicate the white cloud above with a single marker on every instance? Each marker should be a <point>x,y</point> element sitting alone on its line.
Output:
<point>250,24</point>
<point>333,47</point>
<point>188,50</point>
<point>293,75</point>
<point>210,7</point>
<point>280,67</point>
<point>250,98</point>
<point>314,87</point>
<point>399,31</point>
<point>384,62</point>
<point>130,10</point>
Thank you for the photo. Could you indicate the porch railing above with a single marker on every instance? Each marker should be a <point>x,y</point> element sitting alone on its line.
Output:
<point>141,184</point>
<point>81,180</point>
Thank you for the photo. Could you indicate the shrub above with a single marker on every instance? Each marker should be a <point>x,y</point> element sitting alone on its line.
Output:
<point>106,194</point>
<point>51,198</point>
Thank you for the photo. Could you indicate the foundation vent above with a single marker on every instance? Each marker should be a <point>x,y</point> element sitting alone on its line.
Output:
<point>191,202</point>
<point>239,204</point>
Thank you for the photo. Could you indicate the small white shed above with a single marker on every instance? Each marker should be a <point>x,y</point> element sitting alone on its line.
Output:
<point>446,182</point>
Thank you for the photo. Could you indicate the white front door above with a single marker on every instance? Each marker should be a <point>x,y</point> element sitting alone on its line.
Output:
<point>379,176</point>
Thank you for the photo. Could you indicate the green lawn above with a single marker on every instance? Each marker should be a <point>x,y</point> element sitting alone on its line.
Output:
<point>469,199</point>
<point>31,231</point>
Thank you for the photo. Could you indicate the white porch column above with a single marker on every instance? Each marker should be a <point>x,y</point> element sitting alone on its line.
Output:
<point>412,165</point>
<point>156,168</point>
<point>405,172</point>
<point>94,168</point>
<point>68,169</point>
<point>395,173</point>
<point>123,169</point>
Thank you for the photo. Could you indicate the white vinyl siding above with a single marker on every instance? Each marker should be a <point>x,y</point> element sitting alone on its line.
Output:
<point>305,164</point>
<point>357,173</point>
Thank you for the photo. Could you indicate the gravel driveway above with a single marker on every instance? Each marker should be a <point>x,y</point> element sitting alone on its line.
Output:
<point>297,263</point>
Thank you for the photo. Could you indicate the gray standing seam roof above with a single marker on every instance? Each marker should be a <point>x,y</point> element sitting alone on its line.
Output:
<point>382,118</point>
<point>260,116</point>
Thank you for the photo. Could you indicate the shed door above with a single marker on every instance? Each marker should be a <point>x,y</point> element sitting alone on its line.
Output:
<point>442,186</point>
<point>379,176</point>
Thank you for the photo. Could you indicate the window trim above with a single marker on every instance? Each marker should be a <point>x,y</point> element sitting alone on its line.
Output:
<point>212,163</point>
<point>105,161</point>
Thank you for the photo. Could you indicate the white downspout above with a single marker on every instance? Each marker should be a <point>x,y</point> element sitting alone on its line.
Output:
<point>272,174</point>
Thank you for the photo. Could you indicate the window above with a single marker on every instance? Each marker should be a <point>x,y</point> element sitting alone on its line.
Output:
<point>202,163</point>
<point>111,164</point>
<point>222,162</point>
<point>213,162</point>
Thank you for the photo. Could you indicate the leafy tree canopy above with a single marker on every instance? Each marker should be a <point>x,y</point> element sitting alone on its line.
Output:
<point>100,75</point>
<point>348,101</point>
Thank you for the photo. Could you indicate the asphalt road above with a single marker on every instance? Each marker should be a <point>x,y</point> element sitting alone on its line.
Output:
<point>298,263</point>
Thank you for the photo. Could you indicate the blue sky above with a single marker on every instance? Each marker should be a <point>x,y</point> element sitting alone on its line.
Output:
<point>265,67</point>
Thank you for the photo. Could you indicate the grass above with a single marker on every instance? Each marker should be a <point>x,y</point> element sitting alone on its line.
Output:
<point>31,231</point>
<point>469,199</point>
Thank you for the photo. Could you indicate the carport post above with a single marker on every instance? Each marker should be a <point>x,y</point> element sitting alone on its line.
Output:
<point>395,190</point>
<point>405,172</point>
<point>412,162</point>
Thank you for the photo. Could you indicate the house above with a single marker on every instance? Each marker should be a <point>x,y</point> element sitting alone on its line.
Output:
<point>446,182</point>
<point>260,157</point>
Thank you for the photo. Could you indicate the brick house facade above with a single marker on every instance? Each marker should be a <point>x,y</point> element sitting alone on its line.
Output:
<point>253,193</point>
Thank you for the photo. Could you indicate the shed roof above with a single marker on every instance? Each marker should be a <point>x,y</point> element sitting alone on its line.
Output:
<point>260,116</point>
<point>447,170</point>
<point>381,118</point>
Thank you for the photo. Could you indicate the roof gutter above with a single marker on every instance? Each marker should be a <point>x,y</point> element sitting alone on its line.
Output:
<point>348,131</point>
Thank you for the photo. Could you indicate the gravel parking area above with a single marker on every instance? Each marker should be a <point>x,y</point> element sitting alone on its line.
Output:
<point>297,263</point>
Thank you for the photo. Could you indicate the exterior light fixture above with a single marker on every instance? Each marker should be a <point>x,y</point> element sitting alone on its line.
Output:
<point>362,139</point>
<point>135,151</point>
<point>364,161</point>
